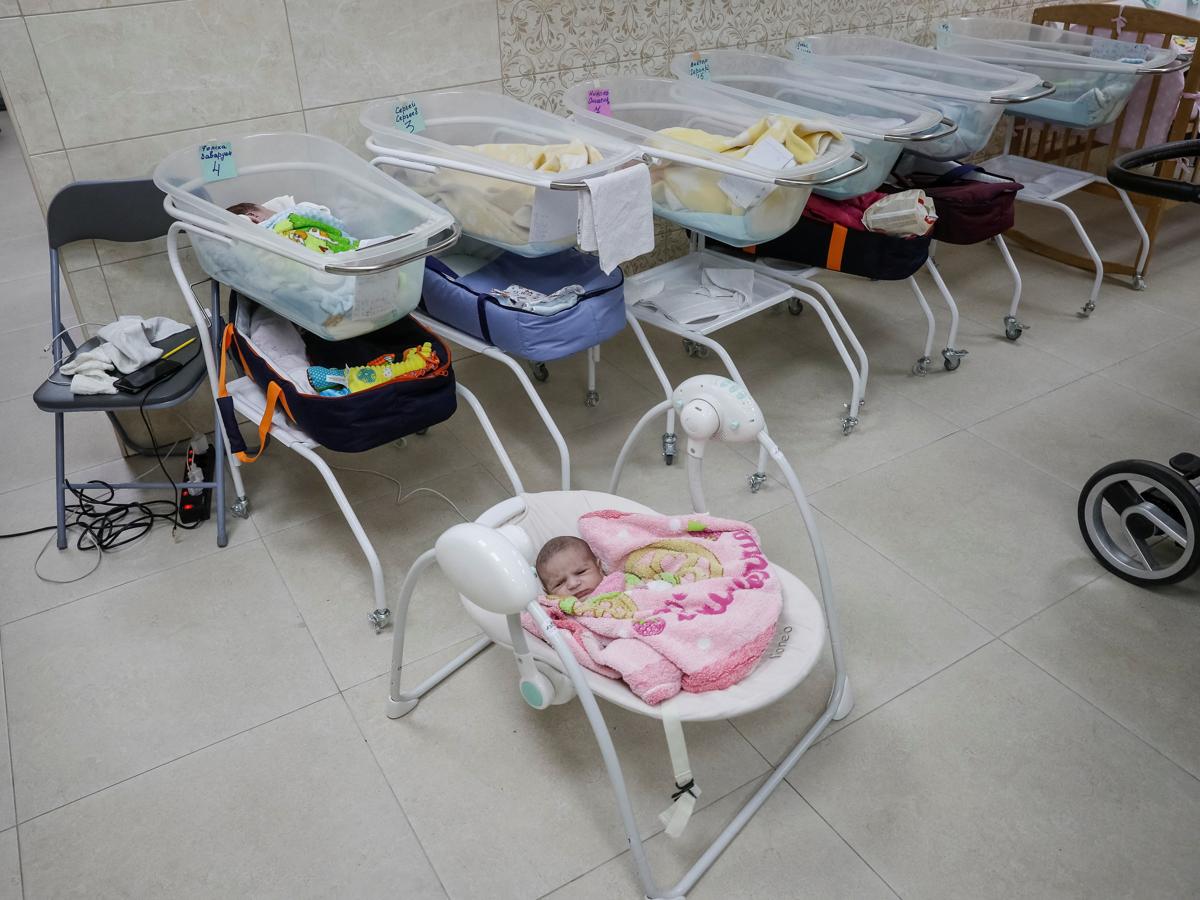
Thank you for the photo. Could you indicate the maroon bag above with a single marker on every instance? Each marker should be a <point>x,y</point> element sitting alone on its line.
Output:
<point>969,210</point>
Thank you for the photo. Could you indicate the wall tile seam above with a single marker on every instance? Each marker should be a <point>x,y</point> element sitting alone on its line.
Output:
<point>157,134</point>
<point>45,93</point>
<point>87,9</point>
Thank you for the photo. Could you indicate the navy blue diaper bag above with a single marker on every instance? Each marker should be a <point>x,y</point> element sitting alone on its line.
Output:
<point>463,302</point>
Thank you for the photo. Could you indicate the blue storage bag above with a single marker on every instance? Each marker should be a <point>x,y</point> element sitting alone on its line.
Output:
<point>463,302</point>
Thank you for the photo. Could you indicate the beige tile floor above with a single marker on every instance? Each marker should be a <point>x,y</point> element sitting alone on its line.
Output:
<point>189,722</point>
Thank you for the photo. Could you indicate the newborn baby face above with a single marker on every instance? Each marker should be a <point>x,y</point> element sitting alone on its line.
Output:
<point>571,572</point>
<point>252,211</point>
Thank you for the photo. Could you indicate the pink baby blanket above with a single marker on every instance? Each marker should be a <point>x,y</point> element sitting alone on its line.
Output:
<point>689,603</point>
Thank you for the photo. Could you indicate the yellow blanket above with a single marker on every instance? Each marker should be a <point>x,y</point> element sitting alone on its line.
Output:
<point>806,142</point>
<point>699,190</point>
<point>542,158</point>
<point>499,210</point>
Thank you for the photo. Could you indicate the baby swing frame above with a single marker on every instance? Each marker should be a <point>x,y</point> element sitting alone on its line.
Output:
<point>840,702</point>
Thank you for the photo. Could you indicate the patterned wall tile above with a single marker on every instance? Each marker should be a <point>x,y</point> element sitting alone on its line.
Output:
<point>550,35</point>
<point>703,24</point>
<point>545,90</point>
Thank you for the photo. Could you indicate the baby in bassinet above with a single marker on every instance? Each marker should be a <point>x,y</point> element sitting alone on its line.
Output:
<point>689,603</point>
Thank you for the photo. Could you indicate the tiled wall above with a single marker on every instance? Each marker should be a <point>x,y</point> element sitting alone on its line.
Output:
<point>106,88</point>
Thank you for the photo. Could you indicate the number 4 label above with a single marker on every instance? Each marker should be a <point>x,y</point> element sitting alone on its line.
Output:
<point>216,162</point>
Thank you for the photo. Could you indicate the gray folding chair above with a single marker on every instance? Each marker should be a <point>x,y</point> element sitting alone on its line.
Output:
<point>124,211</point>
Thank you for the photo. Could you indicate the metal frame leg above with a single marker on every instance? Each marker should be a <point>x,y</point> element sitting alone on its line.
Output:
<point>1139,280</point>
<point>593,396</point>
<point>951,356</point>
<point>494,439</point>
<point>380,615</point>
<point>401,702</point>
<point>921,367</point>
<point>1088,246</point>
<point>60,477</point>
<point>864,367</point>
<point>857,382</point>
<point>669,440</point>
<point>564,455</point>
<point>1013,328</point>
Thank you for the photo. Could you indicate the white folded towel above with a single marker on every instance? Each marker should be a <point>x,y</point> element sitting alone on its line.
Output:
<point>615,216</point>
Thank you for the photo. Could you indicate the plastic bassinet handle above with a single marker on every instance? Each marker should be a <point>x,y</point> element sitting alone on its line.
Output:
<point>1120,174</point>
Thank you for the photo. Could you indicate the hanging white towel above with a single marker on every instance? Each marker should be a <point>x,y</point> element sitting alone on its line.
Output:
<point>615,217</point>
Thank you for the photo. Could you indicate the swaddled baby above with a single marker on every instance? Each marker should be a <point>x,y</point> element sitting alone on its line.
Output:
<point>688,603</point>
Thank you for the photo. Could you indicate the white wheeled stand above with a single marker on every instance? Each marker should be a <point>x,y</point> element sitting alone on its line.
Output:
<point>250,402</point>
<point>1045,185</point>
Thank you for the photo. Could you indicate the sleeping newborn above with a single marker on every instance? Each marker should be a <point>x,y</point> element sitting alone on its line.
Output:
<point>688,602</point>
<point>567,567</point>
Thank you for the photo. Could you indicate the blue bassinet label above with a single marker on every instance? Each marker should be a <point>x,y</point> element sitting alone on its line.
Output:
<point>409,117</point>
<point>699,68</point>
<point>216,162</point>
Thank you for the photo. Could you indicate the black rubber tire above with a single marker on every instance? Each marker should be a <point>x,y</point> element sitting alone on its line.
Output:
<point>951,364</point>
<point>669,459</point>
<point>1183,496</point>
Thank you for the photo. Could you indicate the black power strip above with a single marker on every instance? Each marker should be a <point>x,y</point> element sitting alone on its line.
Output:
<point>195,504</point>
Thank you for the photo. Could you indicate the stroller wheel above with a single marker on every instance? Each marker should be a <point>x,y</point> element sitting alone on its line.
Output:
<point>539,371</point>
<point>695,349</point>
<point>1139,282</point>
<point>794,306</point>
<point>1012,328</point>
<point>1141,520</point>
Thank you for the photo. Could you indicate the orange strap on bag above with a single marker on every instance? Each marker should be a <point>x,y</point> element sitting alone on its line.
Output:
<point>837,246</point>
<point>275,396</point>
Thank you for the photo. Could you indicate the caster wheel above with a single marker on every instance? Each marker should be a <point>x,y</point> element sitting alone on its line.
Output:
<point>795,307</point>
<point>952,359</point>
<point>1012,328</point>
<point>241,508</point>
<point>379,619</point>
<point>1141,520</point>
<point>756,481</point>
<point>539,371</point>
<point>921,367</point>
<point>848,424</point>
<point>694,349</point>
<point>423,431</point>
<point>1087,309</point>
<point>592,399</point>
<point>1139,282</point>
<point>669,459</point>
<point>669,445</point>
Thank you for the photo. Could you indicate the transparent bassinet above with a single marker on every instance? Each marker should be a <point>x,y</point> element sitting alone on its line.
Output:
<point>733,200</point>
<point>1093,75</point>
<point>972,94</point>
<point>334,295</point>
<point>880,124</point>
<point>508,205</point>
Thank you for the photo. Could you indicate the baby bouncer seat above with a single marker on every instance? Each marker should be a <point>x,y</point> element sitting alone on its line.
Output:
<point>489,563</point>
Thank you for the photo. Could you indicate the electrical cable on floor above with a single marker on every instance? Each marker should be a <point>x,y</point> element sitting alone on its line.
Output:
<point>401,497</point>
<point>104,525</point>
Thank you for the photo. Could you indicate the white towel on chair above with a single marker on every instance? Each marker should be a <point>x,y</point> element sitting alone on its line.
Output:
<point>130,340</point>
<point>615,217</point>
<point>127,348</point>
